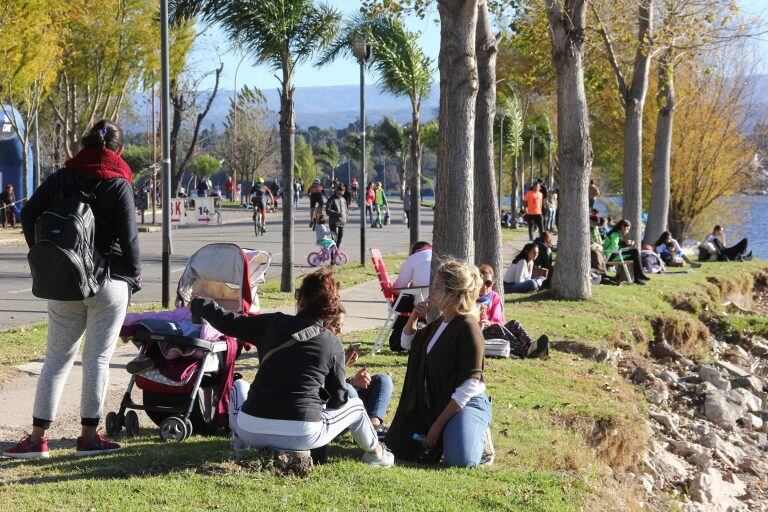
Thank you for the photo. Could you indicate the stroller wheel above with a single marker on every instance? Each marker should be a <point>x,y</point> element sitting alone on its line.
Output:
<point>131,424</point>
<point>113,424</point>
<point>190,428</point>
<point>173,428</point>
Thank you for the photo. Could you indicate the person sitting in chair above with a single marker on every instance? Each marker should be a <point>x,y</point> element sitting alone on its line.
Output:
<point>616,248</point>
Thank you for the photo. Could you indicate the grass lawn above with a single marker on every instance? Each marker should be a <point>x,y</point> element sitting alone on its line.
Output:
<point>564,429</point>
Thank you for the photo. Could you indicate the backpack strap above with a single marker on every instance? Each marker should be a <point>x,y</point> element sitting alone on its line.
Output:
<point>303,335</point>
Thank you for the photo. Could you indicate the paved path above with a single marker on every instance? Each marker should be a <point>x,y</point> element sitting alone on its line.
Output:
<point>19,307</point>
<point>365,310</point>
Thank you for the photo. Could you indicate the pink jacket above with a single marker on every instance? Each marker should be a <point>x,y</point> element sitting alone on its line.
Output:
<point>495,310</point>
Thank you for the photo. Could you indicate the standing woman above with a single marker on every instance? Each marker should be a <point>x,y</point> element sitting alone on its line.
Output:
<point>118,272</point>
<point>443,400</point>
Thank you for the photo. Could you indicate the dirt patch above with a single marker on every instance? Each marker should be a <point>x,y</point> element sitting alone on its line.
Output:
<point>619,441</point>
<point>686,334</point>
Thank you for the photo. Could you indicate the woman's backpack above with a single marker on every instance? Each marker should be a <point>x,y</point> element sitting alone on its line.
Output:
<point>61,259</point>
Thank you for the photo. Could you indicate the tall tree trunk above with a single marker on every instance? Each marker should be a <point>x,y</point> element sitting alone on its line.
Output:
<point>634,103</point>
<point>415,176</point>
<point>287,150</point>
<point>658,215</point>
<point>177,113</point>
<point>455,156</point>
<point>487,218</point>
<point>571,278</point>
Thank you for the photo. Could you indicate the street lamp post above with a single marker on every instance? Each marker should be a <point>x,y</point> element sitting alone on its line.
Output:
<point>550,174</point>
<point>166,141</point>
<point>234,137</point>
<point>363,53</point>
<point>533,143</point>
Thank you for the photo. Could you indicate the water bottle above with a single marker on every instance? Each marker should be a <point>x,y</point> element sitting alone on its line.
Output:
<point>419,438</point>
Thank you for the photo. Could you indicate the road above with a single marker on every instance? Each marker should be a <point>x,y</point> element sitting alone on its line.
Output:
<point>19,307</point>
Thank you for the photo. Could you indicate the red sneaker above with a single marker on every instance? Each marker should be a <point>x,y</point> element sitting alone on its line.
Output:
<point>28,449</point>
<point>97,445</point>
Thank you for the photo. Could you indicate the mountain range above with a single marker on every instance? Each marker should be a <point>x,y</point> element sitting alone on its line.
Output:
<point>324,107</point>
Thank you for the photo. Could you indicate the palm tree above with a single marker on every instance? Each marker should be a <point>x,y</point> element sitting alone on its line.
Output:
<point>392,138</point>
<point>281,34</point>
<point>328,157</point>
<point>403,69</point>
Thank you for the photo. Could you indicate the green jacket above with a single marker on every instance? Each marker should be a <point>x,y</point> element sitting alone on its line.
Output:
<point>381,199</point>
<point>612,244</point>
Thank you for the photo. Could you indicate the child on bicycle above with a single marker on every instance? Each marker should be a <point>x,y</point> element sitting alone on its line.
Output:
<point>323,234</point>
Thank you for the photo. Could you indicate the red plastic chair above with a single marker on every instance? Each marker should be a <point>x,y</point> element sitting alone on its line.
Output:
<point>393,296</point>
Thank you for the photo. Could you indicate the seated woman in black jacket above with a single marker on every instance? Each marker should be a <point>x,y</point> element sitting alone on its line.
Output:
<point>444,411</point>
<point>298,400</point>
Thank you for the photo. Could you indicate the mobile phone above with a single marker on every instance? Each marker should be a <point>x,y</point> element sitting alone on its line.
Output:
<point>355,346</point>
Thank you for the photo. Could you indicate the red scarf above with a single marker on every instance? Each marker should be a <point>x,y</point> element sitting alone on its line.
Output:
<point>100,164</point>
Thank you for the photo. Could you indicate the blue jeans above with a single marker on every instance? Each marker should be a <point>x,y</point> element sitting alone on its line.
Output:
<point>522,287</point>
<point>463,434</point>
<point>376,396</point>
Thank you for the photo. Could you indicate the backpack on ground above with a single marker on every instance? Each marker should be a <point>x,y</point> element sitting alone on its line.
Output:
<point>497,348</point>
<point>61,259</point>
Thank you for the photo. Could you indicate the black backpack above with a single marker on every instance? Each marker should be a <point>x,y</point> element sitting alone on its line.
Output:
<point>62,258</point>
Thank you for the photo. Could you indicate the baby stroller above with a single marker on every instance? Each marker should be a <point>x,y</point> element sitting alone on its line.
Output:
<point>185,370</point>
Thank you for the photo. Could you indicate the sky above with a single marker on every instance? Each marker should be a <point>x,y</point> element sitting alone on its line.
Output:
<point>343,71</point>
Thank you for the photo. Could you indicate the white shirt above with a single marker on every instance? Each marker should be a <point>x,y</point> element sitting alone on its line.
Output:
<point>676,249</point>
<point>416,271</point>
<point>518,272</point>
<point>468,389</point>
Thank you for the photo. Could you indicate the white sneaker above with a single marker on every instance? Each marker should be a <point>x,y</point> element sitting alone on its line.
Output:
<point>489,452</point>
<point>238,444</point>
<point>383,459</point>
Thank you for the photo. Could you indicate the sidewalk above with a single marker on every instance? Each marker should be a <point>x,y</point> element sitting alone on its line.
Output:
<point>365,307</point>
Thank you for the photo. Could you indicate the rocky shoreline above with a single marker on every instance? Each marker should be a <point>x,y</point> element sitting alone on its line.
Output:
<point>708,419</point>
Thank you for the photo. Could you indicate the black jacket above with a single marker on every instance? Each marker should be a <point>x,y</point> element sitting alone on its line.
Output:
<point>337,210</point>
<point>116,235</point>
<point>296,382</point>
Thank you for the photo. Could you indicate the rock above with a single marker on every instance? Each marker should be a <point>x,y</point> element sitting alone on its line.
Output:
<point>711,375</point>
<point>666,467</point>
<point>702,460</point>
<point>750,382</point>
<point>755,466</point>
<point>729,453</point>
<point>640,376</point>
<point>669,377</point>
<point>574,347</point>
<point>670,421</point>
<point>735,354</point>
<point>647,482</point>
<point>656,392</point>
<point>292,463</point>
<point>721,410</point>
<point>717,493</point>
<point>734,369</point>
<point>662,349</point>
<point>759,348</point>
<point>751,422</point>
<point>705,388</point>
<point>744,397</point>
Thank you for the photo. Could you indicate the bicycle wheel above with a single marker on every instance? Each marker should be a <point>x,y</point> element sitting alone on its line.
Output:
<point>339,258</point>
<point>314,259</point>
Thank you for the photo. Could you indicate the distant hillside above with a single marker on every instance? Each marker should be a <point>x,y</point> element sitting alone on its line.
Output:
<point>325,107</point>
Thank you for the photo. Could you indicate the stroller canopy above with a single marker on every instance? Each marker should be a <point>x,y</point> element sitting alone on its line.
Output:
<point>226,273</point>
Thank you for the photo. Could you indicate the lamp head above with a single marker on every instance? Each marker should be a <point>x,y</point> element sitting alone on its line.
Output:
<point>362,50</point>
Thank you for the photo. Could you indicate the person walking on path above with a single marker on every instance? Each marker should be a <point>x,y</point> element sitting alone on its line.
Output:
<point>7,200</point>
<point>379,203</point>
<point>100,168</point>
<point>407,206</point>
<point>594,193</point>
<point>338,213</point>
<point>533,204</point>
<point>370,196</point>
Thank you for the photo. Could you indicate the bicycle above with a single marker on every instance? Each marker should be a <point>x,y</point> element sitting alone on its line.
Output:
<point>258,222</point>
<point>332,253</point>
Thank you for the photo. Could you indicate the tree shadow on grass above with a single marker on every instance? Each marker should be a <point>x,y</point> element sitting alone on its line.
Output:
<point>516,298</point>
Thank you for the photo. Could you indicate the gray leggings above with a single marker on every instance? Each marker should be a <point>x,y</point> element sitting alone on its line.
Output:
<point>101,317</point>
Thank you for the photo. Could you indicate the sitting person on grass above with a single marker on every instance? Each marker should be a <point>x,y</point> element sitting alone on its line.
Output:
<point>546,246</point>
<point>671,253</point>
<point>616,248</point>
<point>444,411</point>
<point>374,390</point>
<point>714,248</point>
<point>415,273</point>
<point>519,277</point>
<point>299,399</point>
<point>492,323</point>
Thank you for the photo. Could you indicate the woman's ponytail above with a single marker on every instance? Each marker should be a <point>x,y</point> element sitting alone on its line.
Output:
<point>104,134</point>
